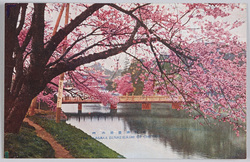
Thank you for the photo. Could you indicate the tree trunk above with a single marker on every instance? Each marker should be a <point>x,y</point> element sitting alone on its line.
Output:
<point>14,120</point>
<point>11,16</point>
<point>16,113</point>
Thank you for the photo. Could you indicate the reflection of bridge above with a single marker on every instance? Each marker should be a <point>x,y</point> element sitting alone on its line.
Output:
<point>144,100</point>
<point>114,114</point>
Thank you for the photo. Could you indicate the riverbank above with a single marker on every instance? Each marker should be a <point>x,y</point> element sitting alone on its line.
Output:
<point>60,151</point>
<point>78,143</point>
<point>26,144</point>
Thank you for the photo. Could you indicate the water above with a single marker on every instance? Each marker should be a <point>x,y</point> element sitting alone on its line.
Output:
<point>157,133</point>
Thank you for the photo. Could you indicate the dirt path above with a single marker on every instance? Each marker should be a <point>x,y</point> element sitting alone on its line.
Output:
<point>60,151</point>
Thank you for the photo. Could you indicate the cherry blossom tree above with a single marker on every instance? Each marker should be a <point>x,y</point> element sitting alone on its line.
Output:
<point>124,84</point>
<point>188,51</point>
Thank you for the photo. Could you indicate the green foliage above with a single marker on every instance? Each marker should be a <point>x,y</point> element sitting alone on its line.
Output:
<point>110,86</point>
<point>135,72</point>
<point>78,143</point>
<point>26,144</point>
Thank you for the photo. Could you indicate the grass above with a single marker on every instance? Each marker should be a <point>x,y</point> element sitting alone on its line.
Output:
<point>78,143</point>
<point>26,144</point>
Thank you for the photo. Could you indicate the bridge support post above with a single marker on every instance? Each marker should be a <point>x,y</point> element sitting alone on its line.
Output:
<point>126,96</point>
<point>113,111</point>
<point>113,107</point>
<point>146,106</point>
<point>79,108</point>
<point>33,106</point>
<point>176,105</point>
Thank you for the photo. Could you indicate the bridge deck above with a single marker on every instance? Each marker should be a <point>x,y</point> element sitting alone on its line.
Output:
<point>127,99</point>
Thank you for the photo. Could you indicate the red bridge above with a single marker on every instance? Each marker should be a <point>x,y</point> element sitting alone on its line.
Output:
<point>145,100</point>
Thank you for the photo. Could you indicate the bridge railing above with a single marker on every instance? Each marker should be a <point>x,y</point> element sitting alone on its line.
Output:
<point>126,98</point>
<point>68,98</point>
<point>143,98</point>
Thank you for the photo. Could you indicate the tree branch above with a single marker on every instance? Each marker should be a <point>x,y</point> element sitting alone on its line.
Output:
<point>72,64</point>
<point>62,33</point>
<point>27,40</point>
<point>179,53</point>
<point>138,7</point>
<point>71,46</point>
<point>67,90</point>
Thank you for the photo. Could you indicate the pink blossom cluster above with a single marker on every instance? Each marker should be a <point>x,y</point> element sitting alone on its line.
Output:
<point>124,84</point>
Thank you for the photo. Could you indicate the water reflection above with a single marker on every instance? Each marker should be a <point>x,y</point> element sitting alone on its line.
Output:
<point>158,133</point>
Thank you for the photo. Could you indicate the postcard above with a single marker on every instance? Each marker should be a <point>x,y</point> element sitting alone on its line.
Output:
<point>125,80</point>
